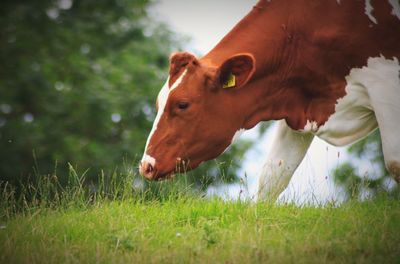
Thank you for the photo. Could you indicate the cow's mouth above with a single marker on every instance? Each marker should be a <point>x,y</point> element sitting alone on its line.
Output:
<point>160,173</point>
<point>181,167</point>
<point>164,177</point>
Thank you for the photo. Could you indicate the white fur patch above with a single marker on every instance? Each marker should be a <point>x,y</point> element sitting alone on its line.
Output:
<point>311,126</point>
<point>368,11</point>
<point>354,115</point>
<point>162,102</point>
<point>396,8</point>
<point>382,80</point>
<point>178,81</point>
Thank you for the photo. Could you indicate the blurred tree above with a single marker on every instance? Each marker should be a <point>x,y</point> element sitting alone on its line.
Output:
<point>78,81</point>
<point>370,183</point>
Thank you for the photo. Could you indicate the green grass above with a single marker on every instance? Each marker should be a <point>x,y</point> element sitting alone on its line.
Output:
<point>50,222</point>
<point>195,230</point>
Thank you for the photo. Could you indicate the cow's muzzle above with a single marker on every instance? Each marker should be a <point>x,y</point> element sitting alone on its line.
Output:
<point>147,170</point>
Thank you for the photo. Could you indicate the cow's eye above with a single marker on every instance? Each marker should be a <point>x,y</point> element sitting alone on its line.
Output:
<point>183,105</point>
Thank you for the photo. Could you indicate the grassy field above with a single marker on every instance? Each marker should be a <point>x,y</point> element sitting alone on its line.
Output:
<point>196,230</point>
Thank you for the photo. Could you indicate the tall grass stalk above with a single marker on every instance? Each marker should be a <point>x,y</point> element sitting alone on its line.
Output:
<point>47,191</point>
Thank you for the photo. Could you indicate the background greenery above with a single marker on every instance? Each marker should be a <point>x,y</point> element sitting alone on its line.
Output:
<point>77,89</point>
<point>366,184</point>
<point>78,82</point>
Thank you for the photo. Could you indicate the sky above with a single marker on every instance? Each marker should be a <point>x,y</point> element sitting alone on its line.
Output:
<point>206,22</point>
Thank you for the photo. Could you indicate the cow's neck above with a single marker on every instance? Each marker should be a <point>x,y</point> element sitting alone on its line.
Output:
<point>273,92</point>
<point>301,69</point>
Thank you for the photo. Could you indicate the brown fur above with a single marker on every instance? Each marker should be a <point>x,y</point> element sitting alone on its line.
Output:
<point>290,57</point>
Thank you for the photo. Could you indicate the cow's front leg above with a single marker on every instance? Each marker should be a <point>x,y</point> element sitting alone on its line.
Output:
<point>287,152</point>
<point>382,79</point>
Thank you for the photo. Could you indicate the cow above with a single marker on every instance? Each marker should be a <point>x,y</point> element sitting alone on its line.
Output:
<point>321,68</point>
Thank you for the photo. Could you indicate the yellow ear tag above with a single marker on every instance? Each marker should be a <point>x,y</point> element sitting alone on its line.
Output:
<point>231,82</point>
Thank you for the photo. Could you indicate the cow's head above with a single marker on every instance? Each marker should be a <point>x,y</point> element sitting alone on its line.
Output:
<point>196,114</point>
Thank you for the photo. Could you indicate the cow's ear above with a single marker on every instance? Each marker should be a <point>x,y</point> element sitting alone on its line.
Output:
<point>236,71</point>
<point>178,61</point>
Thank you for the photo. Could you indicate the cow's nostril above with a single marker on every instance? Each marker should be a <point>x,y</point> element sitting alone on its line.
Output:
<point>146,169</point>
<point>149,168</point>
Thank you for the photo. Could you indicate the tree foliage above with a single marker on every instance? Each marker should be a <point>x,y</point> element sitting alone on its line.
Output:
<point>78,82</point>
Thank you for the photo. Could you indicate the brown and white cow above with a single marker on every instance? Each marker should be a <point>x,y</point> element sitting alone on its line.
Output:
<point>323,68</point>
